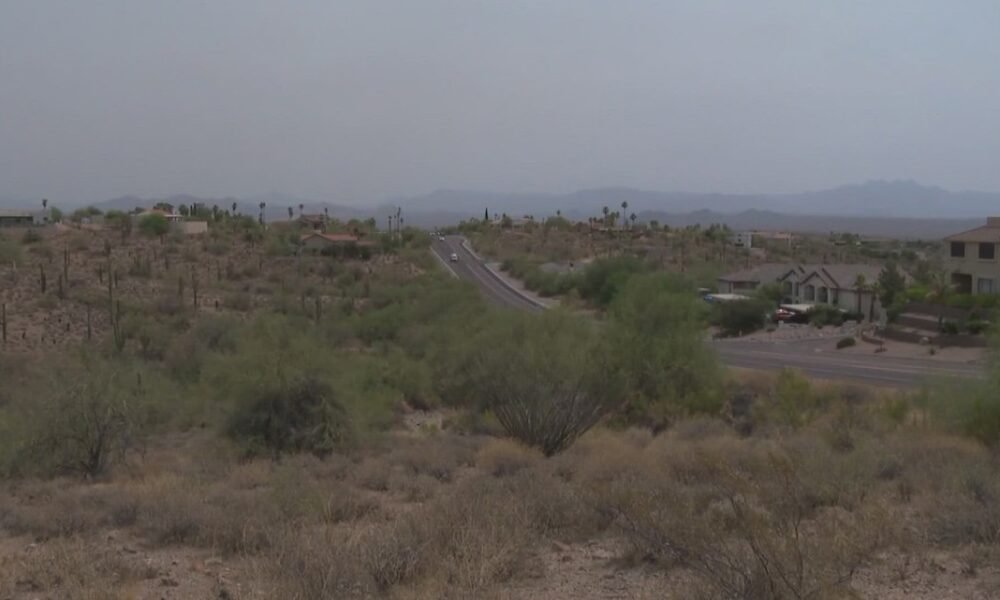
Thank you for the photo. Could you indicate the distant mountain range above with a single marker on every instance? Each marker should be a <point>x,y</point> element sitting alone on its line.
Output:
<point>872,199</point>
<point>890,208</point>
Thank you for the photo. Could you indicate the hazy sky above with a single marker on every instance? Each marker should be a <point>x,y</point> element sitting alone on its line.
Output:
<point>354,101</point>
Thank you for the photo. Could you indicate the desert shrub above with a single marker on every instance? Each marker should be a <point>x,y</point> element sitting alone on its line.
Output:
<point>544,378</point>
<point>302,415</point>
<point>972,409</point>
<point>654,339</point>
<point>740,317</point>
<point>603,279</point>
<point>154,225</point>
<point>790,401</point>
<point>10,252</point>
<point>502,458</point>
<point>745,524</point>
<point>75,569</point>
<point>87,418</point>
<point>822,315</point>
<point>949,328</point>
<point>239,301</point>
<point>31,236</point>
<point>846,342</point>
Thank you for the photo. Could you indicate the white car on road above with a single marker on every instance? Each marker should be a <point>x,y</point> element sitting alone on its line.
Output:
<point>454,257</point>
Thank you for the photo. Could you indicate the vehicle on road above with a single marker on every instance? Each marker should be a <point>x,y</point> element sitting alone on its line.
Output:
<point>454,257</point>
<point>440,238</point>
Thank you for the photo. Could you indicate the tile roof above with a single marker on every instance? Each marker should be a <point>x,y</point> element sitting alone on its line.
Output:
<point>842,276</point>
<point>331,237</point>
<point>760,273</point>
<point>986,233</point>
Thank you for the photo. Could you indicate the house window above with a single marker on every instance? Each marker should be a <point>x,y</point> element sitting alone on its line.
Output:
<point>987,251</point>
<point>984,286</point>
<point>823,295</point>
<point>958,249</point>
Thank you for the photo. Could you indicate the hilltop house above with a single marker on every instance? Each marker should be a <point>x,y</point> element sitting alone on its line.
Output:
<point>317,242</point>
<point>971,258</point>
<point>748,280</point>
<point>833,285</point>
<point>22,218</point>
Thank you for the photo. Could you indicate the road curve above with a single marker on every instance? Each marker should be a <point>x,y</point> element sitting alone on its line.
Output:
<point>470,268</point>
<point>807,357</point>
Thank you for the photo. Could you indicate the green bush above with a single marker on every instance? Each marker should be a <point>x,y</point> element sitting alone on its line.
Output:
<point>544,377</point>
<point>10,253</point>
<point>846,342</point>
<point>298,416</point>
<point>603,279</point>
<point>654,338</point>
<point>31,236</point>
<point>740,317</point>
<point>822,315</point>
<point>154,225</point>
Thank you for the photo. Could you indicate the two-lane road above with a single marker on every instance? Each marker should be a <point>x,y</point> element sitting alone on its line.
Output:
<point>813,359</point>
<point>470,268</point>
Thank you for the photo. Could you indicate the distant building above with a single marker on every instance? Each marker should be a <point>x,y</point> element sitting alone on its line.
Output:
<point>325,242</point>
<point>171,217</point>
<point>317,221</point>
<point>19,218</point>
<point>748,280</point>
<point>833,285</point>
<point>742,239</point>
<point>745,239</point>
<point>971,257</point>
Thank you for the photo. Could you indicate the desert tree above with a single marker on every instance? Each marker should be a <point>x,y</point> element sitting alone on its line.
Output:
<point>544,377</point>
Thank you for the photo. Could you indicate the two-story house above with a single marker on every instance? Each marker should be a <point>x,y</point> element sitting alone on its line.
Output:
<point>971,258</point>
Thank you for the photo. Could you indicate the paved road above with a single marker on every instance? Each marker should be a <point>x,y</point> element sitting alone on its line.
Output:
<point>470,268</point>
<point>808,357</point>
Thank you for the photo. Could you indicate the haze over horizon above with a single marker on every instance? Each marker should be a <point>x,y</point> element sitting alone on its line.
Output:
<point>358,102</point>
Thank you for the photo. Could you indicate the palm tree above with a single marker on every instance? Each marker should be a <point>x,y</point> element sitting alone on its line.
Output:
<point>938,289</point>
<point>263,205</point>
<point>234,209</point>
<point>301,208</point>
<point>860,287</point>
<point>605,211</point>
<point>290,215</point>
<point>624,208</point>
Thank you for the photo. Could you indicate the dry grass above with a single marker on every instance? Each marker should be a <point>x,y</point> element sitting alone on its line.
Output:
<point>795,512</point>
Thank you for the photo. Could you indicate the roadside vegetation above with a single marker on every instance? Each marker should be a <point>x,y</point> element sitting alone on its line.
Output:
<point>336,427</point>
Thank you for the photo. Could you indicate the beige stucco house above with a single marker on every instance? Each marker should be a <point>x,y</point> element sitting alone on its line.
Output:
<point>835,285</point>
<point>971,257</point>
